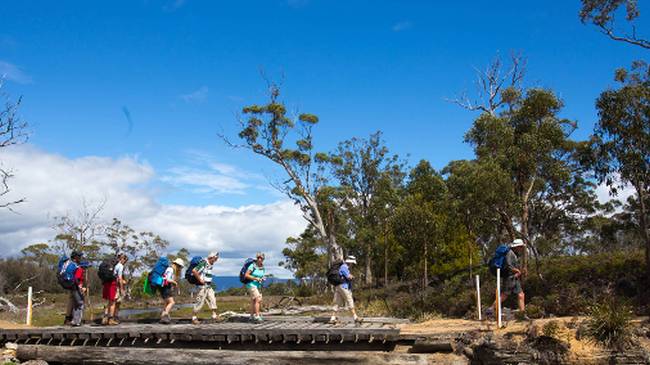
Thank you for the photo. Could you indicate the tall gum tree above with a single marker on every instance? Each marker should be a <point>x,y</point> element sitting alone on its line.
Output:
<point>268,131</point>
<point>621,142</point>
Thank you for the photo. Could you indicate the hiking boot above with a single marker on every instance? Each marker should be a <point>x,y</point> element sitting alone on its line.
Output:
<point>258,319</point>
<point>358,320</point>
<point>196,321</point>
<point>333,320</point>
<point>112,322</point>
<point>104,321</point>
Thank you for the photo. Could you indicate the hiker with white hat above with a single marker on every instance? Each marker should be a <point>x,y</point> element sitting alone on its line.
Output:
<point>202,274</point>
<point>343,289</point>
<point>511,277</point>
<point>167,289</point>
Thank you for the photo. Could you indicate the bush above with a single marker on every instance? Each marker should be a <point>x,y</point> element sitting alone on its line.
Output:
<point>551,329</point>
<point>609,324</point>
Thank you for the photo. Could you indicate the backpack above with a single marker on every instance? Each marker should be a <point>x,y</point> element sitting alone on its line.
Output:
<point>334,276</point>
<point>65,274</point>
<point>498,261</point>
<point>188,273</point>
<point>244,269</point>
<point>156,275</point>
<point>106,271</point>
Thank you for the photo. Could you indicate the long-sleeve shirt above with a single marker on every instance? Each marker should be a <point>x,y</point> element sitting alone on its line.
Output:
<point>344,271</point>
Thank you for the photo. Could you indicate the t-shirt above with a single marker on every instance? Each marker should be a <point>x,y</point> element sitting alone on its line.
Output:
<point>256,272</point>
<point>118,270</point>
<point>168,275</point>
<point>344,271</point>
<point>79,276</point>
<point>512,262</point>
<point>205,271</point>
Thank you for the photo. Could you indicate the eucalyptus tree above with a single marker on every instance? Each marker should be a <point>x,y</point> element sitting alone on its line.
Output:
<point>363,167</point>
<point>621,142</point>
<point>603,13</point>
<point>13,131</point>
<point>268,131</point>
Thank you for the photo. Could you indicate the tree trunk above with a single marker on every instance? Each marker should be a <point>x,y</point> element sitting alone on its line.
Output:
<point>643,223</point>
<point>368,266</point>
<point>425,277</point>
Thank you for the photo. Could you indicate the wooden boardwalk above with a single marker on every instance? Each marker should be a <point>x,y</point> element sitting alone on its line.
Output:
<point>273,334</point>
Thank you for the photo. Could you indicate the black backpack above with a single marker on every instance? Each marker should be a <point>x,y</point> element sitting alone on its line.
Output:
<point>106,271</point>
<point>189,276</point>
<point>334,276</point>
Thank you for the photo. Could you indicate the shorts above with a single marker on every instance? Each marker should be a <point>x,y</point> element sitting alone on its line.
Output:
<point>511,285</point>
<point>254,293</point>
<point>166,291</point>
<point>111,292</point>
<point>343,297</point>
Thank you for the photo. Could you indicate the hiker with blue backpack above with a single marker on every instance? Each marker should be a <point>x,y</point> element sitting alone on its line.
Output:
<point>199,273</point>
<point>506,258</point>
<point>71,277</point>
<point>252,275</point>
<point>163,278</point>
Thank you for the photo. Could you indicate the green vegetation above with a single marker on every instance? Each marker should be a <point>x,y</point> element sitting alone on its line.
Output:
<point>609,324</point>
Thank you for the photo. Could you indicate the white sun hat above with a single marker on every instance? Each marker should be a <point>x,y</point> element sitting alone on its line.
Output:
<point>351,260</point>
<point>179,262</point>
<point>517,243</point>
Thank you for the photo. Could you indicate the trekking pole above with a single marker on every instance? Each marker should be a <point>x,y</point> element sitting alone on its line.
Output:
<point>478,296</point>
<point>498,298</point>
<point>28,320</point>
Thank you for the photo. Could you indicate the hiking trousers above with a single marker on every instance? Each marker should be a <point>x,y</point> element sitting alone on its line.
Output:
<point>75,308</point>
<point>206,293</point>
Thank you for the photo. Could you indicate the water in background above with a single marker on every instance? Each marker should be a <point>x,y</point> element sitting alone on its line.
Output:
<point>226,282</point>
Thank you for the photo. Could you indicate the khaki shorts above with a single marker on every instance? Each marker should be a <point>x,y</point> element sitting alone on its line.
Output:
<point>205,294</point>
<point>343,297</point>
<point>254,293</point>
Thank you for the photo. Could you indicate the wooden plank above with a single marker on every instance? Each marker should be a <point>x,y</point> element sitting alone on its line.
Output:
<point>131,356</point>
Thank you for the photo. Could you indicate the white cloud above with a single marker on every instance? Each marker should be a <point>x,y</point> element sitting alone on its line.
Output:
<point>12,72</point>
<point>603,194</point>
<point>401,26</point>
<point>56,185</point>
<point>196,96</point>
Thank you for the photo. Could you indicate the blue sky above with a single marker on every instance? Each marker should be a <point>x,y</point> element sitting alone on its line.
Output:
<point>156,81</point>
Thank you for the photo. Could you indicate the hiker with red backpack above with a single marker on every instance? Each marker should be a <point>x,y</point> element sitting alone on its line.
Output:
<point>252,275</point>
<point>340,277</point>
<point>199,273</point>
<point>71,277</point>
<point>506,258</point>
<point>111,273</point>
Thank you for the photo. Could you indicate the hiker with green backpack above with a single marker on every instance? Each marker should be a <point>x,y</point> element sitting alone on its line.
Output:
<point>506,258</point>
<point>199,273</point>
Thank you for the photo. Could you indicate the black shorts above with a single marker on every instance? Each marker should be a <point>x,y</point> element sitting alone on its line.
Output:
<point>166,291</point>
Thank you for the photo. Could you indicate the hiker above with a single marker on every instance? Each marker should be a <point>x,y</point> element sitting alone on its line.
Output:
<point>113,287</point>
<point>168,286</point>
<point>511,276</point>
<point>254,277</point>
<point>201,274</point>
<point>343,289</point>
<point>71,277</point>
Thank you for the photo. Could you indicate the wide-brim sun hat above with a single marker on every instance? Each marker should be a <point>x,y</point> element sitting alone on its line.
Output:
<point>213,254</point>
<point>517,243</point>
<point>179,262</point>
<point>351,260</point>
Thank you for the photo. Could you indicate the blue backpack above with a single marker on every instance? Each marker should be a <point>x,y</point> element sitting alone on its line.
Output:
<point>498,261</point>
<point>65,274</point>
<point>156,275</point>
<point>188,273</point>
<point>244,269</point>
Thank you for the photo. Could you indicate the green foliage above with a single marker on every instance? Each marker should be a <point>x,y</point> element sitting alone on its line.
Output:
<point>609,324</point>
<point>603,13</point>
<point>551,329</point>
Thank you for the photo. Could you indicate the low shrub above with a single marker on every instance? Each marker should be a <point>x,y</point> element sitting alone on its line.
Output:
<point>609,324</point>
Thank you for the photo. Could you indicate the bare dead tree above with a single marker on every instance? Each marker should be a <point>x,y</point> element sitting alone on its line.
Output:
<point>13,131</point>
<point>496,85</point>
<point>81,230</point>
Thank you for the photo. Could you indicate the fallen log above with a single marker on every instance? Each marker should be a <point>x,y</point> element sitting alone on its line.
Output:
<point>4,302</point>
<point>159,356</point>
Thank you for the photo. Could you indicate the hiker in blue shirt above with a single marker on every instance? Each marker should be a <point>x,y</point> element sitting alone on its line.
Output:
<point>255,273</point>
<point>343,291</point>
